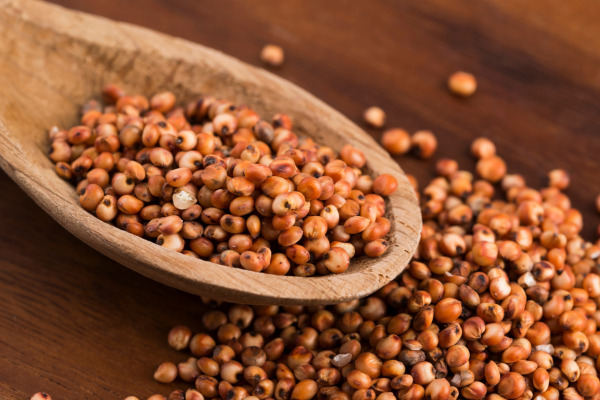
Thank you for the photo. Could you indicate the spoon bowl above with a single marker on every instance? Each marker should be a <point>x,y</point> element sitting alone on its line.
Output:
<point>52,60</point>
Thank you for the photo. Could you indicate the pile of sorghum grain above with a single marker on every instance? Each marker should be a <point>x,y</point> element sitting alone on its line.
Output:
<point>499,302</point>
<point>213,181</point>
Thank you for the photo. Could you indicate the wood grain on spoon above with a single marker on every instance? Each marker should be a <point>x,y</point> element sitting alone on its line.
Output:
<point>55,59</point>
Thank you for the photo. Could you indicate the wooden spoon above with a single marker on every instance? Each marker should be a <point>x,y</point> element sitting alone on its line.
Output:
<point>53,60</point>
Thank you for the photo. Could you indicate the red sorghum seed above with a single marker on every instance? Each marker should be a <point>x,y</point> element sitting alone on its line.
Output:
<point>396,141</point>
<point>272,55</point>
<point>375,117</point>
<point>462,84</point>
<point>423,144</point>
<point>41,396</point>
<point>166,372</point>
<point>483,148</point>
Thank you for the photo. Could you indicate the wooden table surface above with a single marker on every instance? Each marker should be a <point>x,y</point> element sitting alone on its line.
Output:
<point>79,326</point>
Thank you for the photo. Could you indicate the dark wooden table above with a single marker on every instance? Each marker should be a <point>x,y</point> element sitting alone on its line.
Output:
<point>79,326</point>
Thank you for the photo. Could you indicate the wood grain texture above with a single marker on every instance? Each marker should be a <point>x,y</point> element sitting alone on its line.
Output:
<point>80,326</point>
<point>56,59</point>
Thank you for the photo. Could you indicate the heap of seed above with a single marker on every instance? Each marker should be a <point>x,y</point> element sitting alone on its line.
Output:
<point>500,302</point>
<point>213,181</point>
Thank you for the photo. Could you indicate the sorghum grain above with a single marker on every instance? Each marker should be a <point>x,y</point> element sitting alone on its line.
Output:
<point>462,84</point>
<point>271,55</point>
<point>375,117</point>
